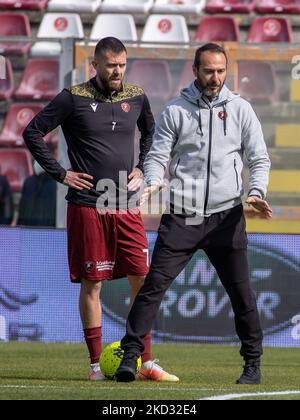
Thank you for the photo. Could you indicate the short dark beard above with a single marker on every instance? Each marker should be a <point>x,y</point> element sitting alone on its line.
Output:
<point>104,85</point>
<point>203,88</point>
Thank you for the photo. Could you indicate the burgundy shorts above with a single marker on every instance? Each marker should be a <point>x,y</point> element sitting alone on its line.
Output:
<point>105,246</point>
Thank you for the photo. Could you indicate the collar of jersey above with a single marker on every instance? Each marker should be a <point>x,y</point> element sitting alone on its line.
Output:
<point>106,94</point>
<point>90,89</point>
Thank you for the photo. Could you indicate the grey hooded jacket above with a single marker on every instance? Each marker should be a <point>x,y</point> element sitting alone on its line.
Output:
<point>206,143</point>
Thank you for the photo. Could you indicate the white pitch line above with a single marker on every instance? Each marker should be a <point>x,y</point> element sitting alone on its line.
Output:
<point>111,388</point>
<point>253,394</point>
<point>179,389</point>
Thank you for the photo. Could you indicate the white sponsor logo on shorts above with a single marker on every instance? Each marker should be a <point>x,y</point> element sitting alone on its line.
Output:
<point>105,265</point>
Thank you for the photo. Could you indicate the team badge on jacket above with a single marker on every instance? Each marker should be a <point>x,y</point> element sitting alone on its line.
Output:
<point>126,107</point>
<point>223,115</point>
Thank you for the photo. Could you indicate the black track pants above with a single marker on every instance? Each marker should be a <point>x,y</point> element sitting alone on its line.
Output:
<point>223,237</point>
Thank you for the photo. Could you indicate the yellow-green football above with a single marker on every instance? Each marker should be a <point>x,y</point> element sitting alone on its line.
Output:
<point>111,358</point>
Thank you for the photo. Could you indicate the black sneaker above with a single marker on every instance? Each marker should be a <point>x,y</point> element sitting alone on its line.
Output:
<point>251,374</point>
<point>128,368</point>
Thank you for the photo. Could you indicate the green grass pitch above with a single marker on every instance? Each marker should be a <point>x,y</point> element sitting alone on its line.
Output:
<point>35,371</point>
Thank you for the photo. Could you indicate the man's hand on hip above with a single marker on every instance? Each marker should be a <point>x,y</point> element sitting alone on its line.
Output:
<point>261,206</point>
<point>136,179</point>
<point>78,181</point>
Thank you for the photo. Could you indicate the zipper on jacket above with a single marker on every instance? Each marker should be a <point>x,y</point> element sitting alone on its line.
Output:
<point>208,160</point>
<point>236,176</point>
<point>209,150</point>
<point>113,123</point>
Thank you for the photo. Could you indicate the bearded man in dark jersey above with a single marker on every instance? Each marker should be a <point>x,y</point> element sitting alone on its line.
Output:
<point>106,241</point>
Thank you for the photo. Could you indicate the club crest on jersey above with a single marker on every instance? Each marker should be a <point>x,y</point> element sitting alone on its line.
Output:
<point>89,266</point>
<point>126,107</point>
<point>94,106</point>
<point>223,115</point>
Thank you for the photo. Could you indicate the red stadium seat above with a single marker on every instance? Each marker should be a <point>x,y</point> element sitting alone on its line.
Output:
<point>16,165</point>
<point>257,82</point>
<point>7,84</point>
<point>14,24</point>
<point>217,28</point>
<point>142,73</point>
<point>40,80</point>
<point>278,6</point>
<point>270,29</point>
<point>230,6</point>
<point>24,4</point>
<point>17,119</point>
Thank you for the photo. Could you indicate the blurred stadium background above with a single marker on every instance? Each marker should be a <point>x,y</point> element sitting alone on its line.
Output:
<point>48,46</point>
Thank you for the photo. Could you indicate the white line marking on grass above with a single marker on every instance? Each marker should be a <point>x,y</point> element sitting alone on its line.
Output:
<point>110,388</point>
<point>252,394</point>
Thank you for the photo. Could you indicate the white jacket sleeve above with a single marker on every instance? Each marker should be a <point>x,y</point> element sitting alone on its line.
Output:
<point>158,157</point>
<point>256,153</point>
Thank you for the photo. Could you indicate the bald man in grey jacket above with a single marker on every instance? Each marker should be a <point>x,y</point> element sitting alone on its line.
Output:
<point>205,134</point>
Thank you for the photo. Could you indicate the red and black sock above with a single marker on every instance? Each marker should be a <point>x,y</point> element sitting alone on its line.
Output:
<point>93,338</point>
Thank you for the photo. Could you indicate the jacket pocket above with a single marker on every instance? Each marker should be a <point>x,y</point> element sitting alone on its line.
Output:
<point>236,176</point>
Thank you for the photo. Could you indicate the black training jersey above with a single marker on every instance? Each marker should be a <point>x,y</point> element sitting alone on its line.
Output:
<point>99,130</point>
